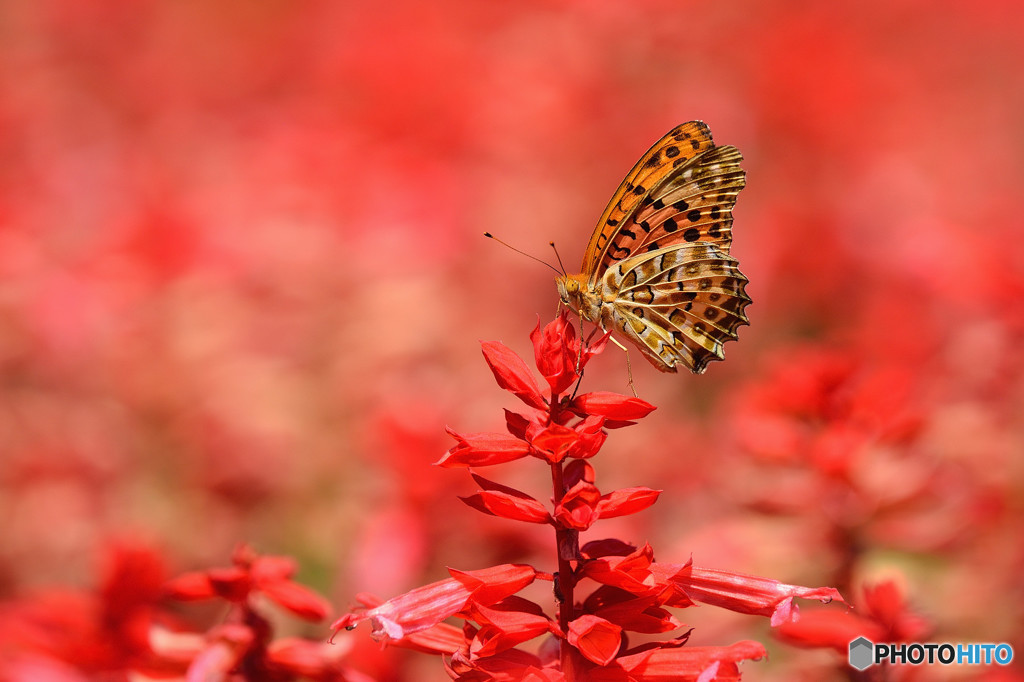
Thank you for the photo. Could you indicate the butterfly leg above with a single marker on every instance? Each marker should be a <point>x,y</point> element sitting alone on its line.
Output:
<point>629,368</point>
<point>579,356</point>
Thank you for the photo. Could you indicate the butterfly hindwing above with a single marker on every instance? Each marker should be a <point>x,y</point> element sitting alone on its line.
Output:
<point>679,304</point>
<point>671,152</point>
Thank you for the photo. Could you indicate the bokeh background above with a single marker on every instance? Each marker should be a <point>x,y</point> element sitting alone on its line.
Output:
<point>243,281</point>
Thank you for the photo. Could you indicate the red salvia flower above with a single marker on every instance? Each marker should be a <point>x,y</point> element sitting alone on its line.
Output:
<point>587,640</point>
<point>269,575</point>
<point>244,644</point>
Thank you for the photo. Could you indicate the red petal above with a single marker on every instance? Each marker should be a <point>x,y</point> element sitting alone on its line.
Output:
<point>440,639</point>
<point>597,639</point>
<point>638,614</point>
<point>512,665</point>
<point>213,663</point>
<point>577,508</point>
<point>595,549</point>
<point>300,600</point>
<point>669,664</point>
<point>631,573</point>
<point>232,584</point>
<point>595,348</point>
<point>887,606</point>
<point>273,568</point>
<point>303,658</point>
<point>591,437</point>
<point>512,374</point>
<point>133,576</point>
<point>416,610</point>
<point>508,506</point>
<point>612,405</point>
<point>503,629</point>
<point>626,501</point>
<point>483,449</point>
<point>829,628</point>
<point>190,586</point>
<point>554,351</point>
<point>554,441</point>
<point>582,492</point>
<point>579,517</point>
<point>491,585</point>
<point>746,594</point>
<point>577,470</point>
<point>516,424</point>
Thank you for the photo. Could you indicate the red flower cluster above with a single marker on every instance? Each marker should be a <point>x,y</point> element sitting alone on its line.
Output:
<point>63,634</point>
<point>125,629</point>
<point>628,590</point>
<point>554,427</point>
<point>243,642</point>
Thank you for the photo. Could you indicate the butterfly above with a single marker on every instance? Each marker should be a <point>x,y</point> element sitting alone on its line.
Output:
<point>657,268</point>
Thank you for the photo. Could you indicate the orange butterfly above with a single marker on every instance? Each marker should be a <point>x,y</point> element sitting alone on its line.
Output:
<point>657,268</point>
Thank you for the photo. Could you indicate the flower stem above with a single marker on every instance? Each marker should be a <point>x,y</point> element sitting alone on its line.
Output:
<point>567,544</point>
<point>567,547</point>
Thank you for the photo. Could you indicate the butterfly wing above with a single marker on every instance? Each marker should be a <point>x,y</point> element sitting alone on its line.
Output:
<point>670,153</point>
<point>692,204</point>
<point>679,304</point>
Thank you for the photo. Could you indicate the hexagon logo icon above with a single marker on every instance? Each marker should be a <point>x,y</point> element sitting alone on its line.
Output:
<point>861,653</point>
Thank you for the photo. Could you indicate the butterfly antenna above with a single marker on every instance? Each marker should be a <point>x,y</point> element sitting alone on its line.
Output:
<point>560,264</point>
<point>491,236</point>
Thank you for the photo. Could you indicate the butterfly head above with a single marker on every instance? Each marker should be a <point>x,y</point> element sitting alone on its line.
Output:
<point>573,294</point>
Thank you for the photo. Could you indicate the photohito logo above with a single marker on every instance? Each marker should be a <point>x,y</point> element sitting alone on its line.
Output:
<point>865,653</point>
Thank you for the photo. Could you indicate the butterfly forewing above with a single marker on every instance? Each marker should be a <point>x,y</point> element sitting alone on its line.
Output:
<point>693,204</point>
<point>681,144</point>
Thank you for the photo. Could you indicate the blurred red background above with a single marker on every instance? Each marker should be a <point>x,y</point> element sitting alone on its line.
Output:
<point>243,280</point>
